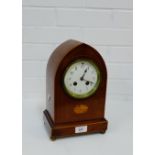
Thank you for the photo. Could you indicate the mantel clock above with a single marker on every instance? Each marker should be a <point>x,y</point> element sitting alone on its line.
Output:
<point>76,83</point>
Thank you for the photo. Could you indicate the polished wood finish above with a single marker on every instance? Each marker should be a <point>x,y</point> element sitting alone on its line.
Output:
<point>61,115</point>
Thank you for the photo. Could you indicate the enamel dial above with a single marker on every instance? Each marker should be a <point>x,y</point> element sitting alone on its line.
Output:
<point>81,79</point>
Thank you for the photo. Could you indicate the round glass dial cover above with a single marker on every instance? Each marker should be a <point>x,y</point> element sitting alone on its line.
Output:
<point>81,79</point>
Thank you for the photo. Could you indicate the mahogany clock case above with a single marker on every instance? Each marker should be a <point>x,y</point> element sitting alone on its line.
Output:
<point>59,117</point>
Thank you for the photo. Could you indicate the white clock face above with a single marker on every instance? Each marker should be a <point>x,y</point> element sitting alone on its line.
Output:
<point>81,79</point>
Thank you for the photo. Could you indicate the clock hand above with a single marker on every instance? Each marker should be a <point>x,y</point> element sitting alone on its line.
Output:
<point>82,77</point>
<point>88,81</point>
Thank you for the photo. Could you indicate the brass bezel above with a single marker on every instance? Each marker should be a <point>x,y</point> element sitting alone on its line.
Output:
<point>92,91</point>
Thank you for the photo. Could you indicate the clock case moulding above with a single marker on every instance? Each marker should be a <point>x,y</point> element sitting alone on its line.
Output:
<point>60,118</point>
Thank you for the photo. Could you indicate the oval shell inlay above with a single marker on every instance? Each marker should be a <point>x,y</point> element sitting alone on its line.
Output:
<point>80,109</point>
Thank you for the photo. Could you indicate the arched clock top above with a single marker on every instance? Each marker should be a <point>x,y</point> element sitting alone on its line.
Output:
<point>75,49</point>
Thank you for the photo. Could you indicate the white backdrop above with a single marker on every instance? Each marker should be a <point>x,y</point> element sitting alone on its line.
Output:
<point>104,24</point>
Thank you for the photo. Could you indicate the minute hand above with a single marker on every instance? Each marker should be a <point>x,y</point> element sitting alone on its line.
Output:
<point>82,77</point>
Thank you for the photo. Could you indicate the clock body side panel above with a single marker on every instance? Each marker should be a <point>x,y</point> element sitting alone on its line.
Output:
<point>65,105</point>
<point>50,93</point>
